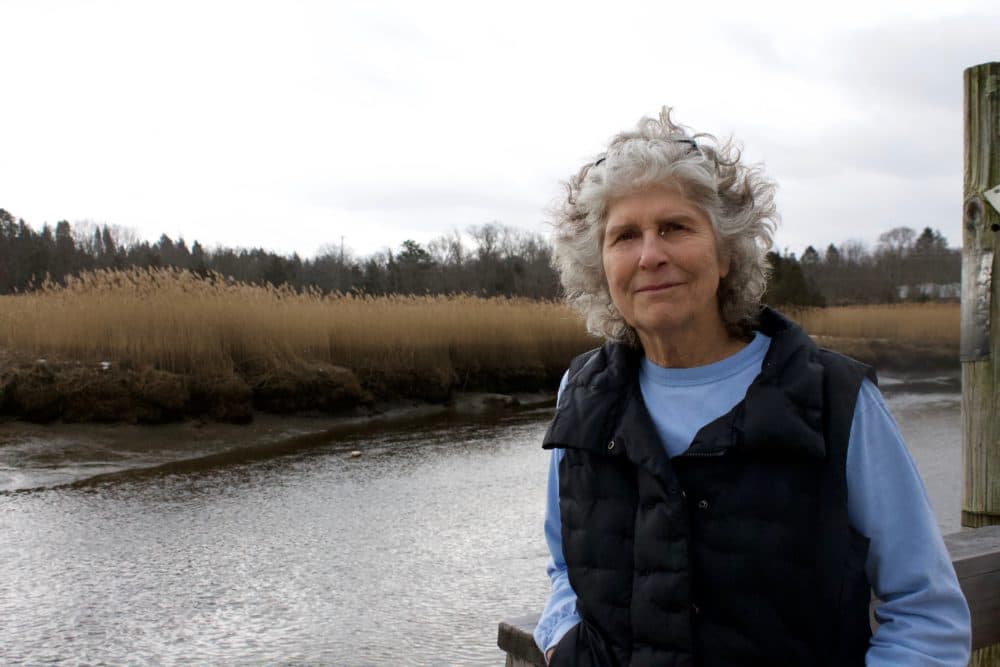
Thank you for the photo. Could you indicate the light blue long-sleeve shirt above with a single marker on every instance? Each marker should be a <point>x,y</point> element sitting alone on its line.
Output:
<point>924,618</point>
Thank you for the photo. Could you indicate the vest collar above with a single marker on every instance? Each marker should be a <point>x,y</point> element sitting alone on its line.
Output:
<point>602,411</point>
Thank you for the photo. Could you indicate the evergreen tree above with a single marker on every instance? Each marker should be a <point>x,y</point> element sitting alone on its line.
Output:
<point>64,256</point>
<point>832,255</point>
<point>788,285</point>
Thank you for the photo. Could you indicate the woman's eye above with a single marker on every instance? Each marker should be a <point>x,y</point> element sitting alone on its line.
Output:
<point>670,227</point>
<point>625,235</point>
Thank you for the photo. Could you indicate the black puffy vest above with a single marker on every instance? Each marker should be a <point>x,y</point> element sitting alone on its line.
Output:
<point>738,551</point>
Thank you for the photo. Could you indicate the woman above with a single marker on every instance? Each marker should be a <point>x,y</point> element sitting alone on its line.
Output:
<point>721,491</point>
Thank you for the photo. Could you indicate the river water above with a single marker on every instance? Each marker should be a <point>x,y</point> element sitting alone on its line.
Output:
<point>123,545</point>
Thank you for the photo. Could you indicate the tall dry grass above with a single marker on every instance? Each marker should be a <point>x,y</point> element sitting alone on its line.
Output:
<point>931,323</point>
<point>176,321</point>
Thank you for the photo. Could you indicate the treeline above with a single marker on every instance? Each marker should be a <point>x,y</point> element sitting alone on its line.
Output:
<point>489,260</point>
<point>903,266</point>
<point>498,261</point>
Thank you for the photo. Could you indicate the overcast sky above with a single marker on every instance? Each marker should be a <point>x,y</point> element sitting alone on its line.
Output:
<point>287,125</point>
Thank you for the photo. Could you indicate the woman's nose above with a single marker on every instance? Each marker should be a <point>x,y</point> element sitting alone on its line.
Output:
<point>653,252</point>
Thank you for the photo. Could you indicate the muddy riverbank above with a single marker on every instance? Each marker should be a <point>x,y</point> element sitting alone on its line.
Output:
<point>35,456</point>
<point>53,390</point>
<point>47,390</point>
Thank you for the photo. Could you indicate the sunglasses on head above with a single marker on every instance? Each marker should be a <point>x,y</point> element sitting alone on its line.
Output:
<point>689,142</point>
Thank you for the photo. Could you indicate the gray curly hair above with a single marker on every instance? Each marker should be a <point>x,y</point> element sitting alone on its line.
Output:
<point>738,199</point>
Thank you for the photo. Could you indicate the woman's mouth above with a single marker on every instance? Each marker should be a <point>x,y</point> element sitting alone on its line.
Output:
<point>657,287</point>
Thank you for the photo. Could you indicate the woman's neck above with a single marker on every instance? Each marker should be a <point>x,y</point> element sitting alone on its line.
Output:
<point>687,351</point>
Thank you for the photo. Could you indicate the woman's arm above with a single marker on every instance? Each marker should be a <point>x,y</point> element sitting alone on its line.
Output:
<point>924,618</point>
<point>560,613</point>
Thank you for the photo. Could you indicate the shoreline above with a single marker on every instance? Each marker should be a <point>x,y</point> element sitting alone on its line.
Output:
<point>36,456</point>
<point>895,356</point>
<point>55,391</point>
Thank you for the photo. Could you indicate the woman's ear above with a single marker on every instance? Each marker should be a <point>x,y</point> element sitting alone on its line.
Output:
<point>725,263</point>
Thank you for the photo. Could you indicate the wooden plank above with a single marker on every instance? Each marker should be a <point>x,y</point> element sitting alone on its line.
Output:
<point>967,548</point>
<point>515,637</point>
<point>976,557</point>
<point>983,595</point>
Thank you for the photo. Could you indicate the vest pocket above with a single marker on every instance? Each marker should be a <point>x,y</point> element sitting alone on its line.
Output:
<point>583,646</point>
<point>855,579</point>
<point>855,598</point>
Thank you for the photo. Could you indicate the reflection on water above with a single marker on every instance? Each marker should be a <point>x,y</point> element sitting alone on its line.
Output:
<point>297,553</point>
<point>929,413</point>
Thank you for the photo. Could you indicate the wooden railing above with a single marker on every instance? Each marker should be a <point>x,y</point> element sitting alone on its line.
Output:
<point>974,553</point>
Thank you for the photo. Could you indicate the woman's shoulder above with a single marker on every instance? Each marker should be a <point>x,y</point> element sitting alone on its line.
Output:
<point>610,362</point>
<point>843,368</point>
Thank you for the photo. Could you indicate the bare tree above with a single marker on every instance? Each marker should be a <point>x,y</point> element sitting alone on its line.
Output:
<point>448,249</point>
<point>898,241</point>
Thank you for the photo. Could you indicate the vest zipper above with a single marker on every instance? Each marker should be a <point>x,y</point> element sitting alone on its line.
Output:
<point>717,452</point>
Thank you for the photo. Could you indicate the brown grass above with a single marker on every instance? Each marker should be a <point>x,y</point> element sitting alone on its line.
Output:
<point>923,323</point>
<point>176,321</point>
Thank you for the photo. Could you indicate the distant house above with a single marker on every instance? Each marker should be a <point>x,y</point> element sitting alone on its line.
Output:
<point>923,291</point>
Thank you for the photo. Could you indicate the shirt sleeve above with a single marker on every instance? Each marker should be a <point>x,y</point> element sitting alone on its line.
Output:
<point>924,618</point>
<point>559,614</point>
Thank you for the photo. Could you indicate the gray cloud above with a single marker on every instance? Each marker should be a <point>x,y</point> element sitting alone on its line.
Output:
<point>418,198</point>
<point>916,63</point>
<point>880,144</point>
<point>903,84</point>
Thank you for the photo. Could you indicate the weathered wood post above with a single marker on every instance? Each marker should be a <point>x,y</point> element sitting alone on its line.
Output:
<point>980,346</point>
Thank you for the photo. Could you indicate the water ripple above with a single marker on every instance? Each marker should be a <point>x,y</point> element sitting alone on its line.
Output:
<point>408,555</point>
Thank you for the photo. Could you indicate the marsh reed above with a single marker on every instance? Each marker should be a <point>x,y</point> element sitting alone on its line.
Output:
<point>176,321</point>
<point>933,323</point>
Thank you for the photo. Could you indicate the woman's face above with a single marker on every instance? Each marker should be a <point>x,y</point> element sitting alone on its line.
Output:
<point>663,266</point>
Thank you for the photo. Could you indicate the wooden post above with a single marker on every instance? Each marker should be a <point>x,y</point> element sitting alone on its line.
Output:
<point>980,350</point>
<point>980,346</point>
